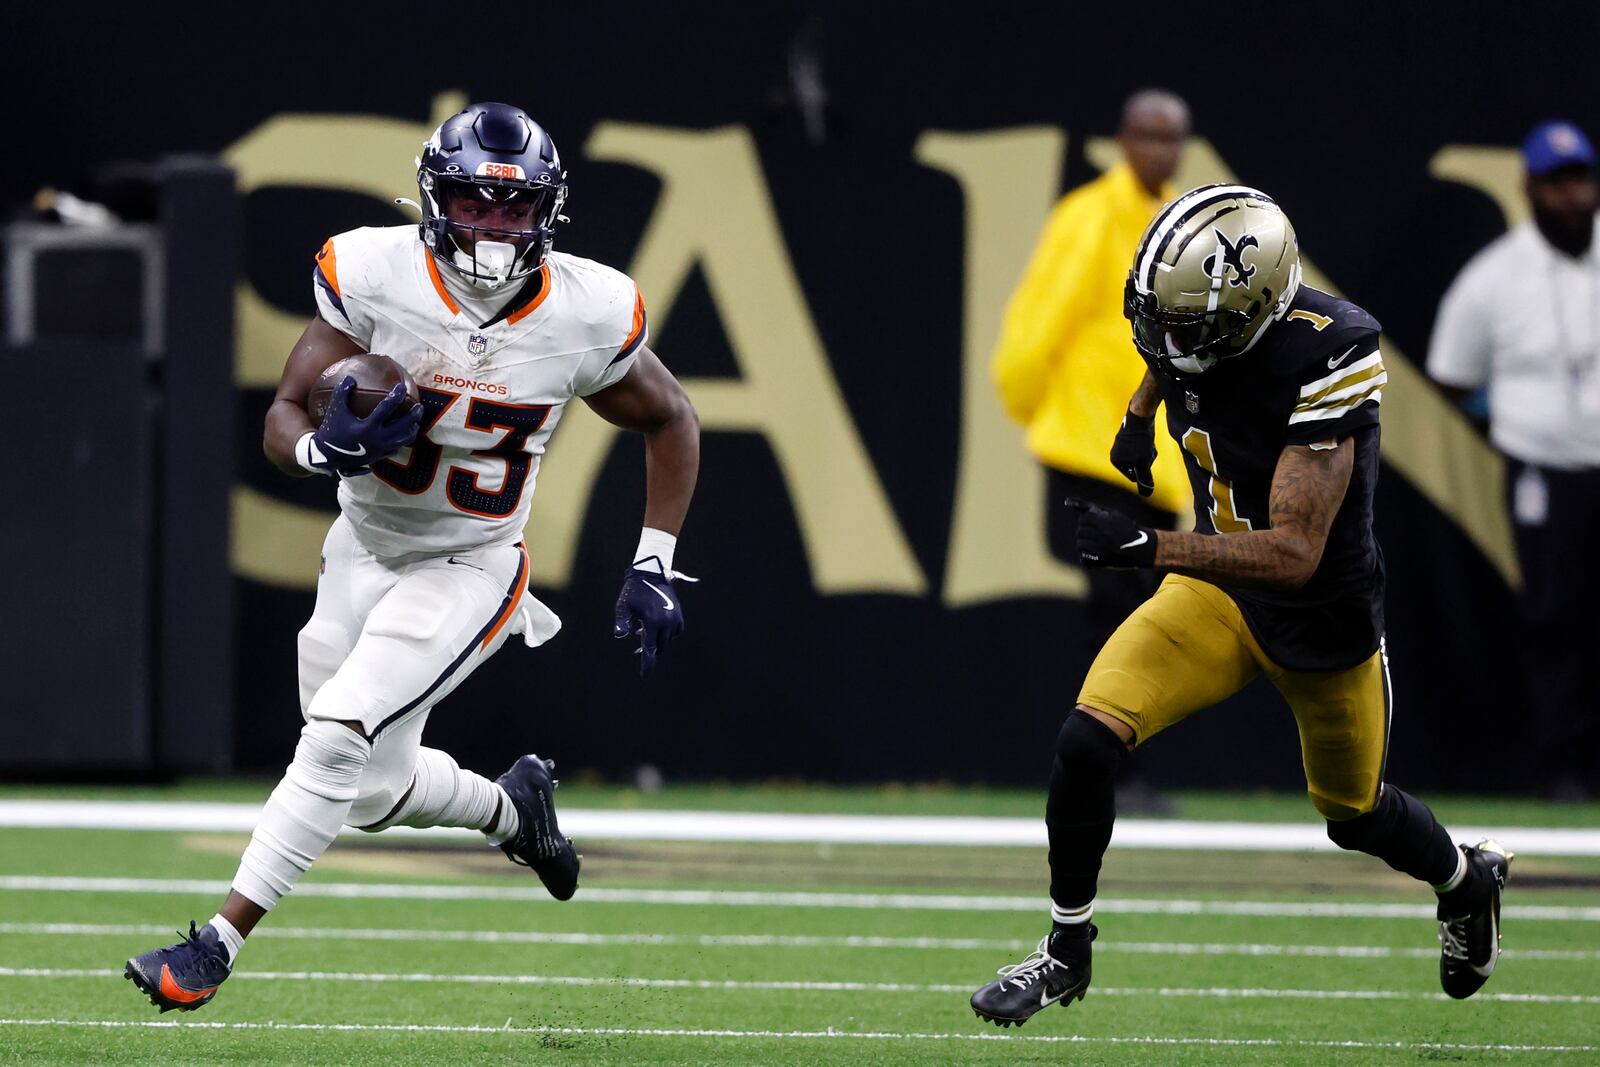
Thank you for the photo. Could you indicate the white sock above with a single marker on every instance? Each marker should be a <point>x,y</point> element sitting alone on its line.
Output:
<point>442,794</point>
<point>1457,878</point>
<point>231,939</point>
<point>1071,916</point>
<point>506,823</point>
<point>305,812</point>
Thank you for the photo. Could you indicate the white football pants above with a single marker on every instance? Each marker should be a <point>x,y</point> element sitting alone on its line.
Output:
<point>389,638</point>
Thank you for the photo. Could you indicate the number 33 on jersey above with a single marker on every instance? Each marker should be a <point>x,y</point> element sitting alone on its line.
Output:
<point>492,392</point>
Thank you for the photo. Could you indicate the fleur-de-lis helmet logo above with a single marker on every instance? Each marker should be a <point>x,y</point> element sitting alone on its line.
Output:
<point>1232,259</point>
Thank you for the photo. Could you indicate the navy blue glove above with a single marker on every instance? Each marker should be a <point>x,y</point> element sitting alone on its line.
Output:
<point>648,606</point>
<point>347,444</point>
<point>1108,539</point>
<point>1134,451</point>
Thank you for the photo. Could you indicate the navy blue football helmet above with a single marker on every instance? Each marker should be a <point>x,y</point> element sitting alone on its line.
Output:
<point>496,155</point>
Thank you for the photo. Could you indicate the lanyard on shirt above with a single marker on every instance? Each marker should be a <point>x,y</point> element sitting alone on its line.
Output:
<point>1578,365</point>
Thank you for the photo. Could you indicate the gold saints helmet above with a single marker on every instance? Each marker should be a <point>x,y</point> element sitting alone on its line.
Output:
<point>1216,266</point>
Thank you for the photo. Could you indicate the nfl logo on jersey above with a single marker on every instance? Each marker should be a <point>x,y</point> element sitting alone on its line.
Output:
<point>1191,401</point>
<point>477,344</point>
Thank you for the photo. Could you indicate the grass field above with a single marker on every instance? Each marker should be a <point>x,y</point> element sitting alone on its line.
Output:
<point>435,952</point>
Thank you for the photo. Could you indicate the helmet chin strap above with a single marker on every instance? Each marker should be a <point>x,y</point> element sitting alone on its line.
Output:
<point>489,264</point>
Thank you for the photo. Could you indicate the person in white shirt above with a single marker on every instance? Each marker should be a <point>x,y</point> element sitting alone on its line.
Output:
<point>424,575</point>
<point>1523,319</point>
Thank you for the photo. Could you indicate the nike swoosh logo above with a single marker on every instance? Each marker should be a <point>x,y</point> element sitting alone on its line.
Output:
<point>176,993</point>
<point>463,563</point>
<point>1045,999</point>
<point>361,450</point>
<point>665,599</point>
<point>1494,952</point>
<point>1144,535</point>
<point>1332,363</point>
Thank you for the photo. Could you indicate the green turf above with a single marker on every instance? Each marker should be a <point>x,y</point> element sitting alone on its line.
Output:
<point>554,1001</point>
<point>936,798</point>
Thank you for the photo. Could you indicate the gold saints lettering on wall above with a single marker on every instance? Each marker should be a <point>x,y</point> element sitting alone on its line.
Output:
<point>786,390</point>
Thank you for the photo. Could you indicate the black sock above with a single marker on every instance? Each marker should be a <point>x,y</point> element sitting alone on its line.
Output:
<point>1083,931</point>
<point>1071,941</point>
<point>1081,808</point>
<point>1403,833</point>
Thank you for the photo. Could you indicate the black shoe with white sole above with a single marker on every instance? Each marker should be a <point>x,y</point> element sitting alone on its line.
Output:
<point>1469,924</point>
<point>1056,972</point>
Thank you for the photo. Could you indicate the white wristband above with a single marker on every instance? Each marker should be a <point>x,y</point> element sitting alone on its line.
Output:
<point>657,544</point>
<point>308,455</point>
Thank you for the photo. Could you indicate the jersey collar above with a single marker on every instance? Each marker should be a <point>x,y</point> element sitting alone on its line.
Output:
<point>527,300</point>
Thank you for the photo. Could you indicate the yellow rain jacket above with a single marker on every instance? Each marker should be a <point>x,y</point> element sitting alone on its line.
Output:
<point>1065,364</point>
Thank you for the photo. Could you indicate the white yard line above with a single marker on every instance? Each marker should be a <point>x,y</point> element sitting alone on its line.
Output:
<point>796,1035</point>
<point>734,985</point>
<point>596,825</point>
<point>770,899</point>
<point>800,941</point>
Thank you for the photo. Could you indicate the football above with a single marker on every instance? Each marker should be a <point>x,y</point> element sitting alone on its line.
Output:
<point>375,375</point>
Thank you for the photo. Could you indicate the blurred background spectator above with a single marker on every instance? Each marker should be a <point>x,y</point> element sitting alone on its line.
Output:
<point>1066,369</point>
<point>1523,319</point>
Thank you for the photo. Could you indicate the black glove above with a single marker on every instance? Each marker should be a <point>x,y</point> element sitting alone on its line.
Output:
<point>648,606</point>
<point>1134,451</point>
<point>1107,539</point>
<point>348,444</point>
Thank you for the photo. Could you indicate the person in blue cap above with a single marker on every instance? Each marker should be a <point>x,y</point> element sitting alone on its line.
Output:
<point>1562,189</point>
<point>1523,319</point>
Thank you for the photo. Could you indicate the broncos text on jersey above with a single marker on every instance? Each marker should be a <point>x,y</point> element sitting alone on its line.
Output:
<point>492,392</point>
<point>1316,375</point>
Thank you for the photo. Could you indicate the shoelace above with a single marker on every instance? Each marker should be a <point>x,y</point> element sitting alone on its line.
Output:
<point>1453,936</point>
<point>187,938</point>
<point>191,940</point>
<point>1030,969</point>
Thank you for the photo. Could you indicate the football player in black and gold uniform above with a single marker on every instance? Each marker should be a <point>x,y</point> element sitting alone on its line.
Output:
<point>1272,392</point>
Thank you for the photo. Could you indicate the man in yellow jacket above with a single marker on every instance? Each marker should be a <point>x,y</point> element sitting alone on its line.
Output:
<point>1066,365</point>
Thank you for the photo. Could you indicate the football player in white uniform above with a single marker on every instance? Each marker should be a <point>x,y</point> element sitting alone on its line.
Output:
<point>424,575</point>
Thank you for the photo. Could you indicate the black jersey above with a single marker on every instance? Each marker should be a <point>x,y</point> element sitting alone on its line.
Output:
<point>1315,375</point>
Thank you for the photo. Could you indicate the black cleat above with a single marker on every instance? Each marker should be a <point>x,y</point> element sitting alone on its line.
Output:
<point>1469,927</point>
<point>539,843</point>
<point>184,976</point>
<point>1057,971</point>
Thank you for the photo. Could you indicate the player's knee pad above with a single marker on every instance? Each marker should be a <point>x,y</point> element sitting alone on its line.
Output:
<point>303,815</point>
<point>329,760</point>
<point>1088,747</point>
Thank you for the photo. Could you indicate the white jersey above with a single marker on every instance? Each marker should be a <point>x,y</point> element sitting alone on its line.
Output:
<point>492,393</point>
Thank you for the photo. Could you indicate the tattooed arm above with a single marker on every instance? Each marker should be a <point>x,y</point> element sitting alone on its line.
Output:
<point>1307,488</point>
<point>1146,398</point>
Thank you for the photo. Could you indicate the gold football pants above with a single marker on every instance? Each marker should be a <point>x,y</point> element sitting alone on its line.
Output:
<point>1188,647</point>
